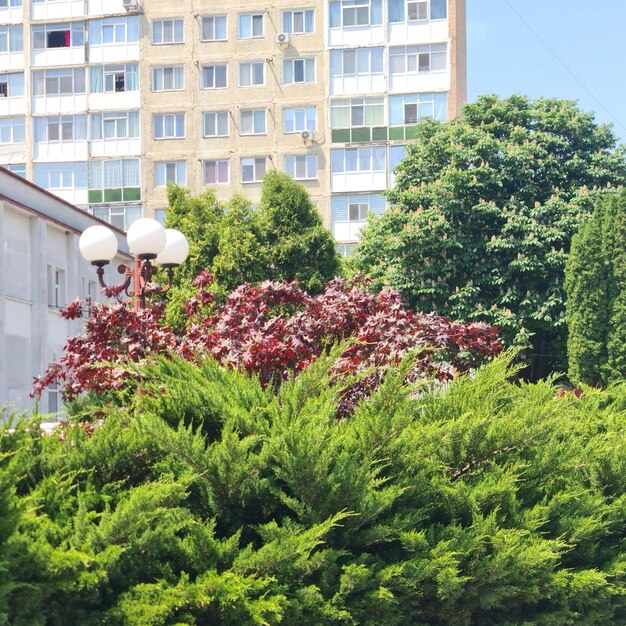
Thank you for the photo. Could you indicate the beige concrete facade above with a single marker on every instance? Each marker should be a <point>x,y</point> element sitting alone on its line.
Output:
<point>272,97</point>
<point>417,29</point>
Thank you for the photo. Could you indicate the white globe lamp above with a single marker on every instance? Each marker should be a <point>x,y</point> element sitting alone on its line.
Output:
<point>146,238</point>
<point>98,245</point>
<point>176,249</point>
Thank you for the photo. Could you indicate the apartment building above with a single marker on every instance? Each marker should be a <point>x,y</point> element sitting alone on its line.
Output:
<point>103,102</point>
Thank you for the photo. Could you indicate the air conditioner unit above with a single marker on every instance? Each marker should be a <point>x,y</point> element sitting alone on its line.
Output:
<point>130,5</point>
<point>282,38</point>
<point>307,135</point>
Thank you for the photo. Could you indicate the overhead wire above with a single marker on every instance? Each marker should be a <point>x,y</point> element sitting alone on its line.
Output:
<point>565,65</point>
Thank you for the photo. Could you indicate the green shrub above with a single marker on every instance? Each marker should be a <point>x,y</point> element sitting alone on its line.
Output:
<point>213,501</point>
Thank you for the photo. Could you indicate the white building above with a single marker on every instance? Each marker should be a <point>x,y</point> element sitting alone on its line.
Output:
<point>41,270</point>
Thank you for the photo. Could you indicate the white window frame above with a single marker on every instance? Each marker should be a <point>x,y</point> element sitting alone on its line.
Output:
<point>257,163</point>
<point>10,4</point>
<point>247,70</point>
<point>219,117</point>
<point>208,19</point>
<point>418,59</point>
<point>301,119</point>
<point>289,21</point>
<point>119,28</point>
<point>63,76</point>
<point>254,19</point>
<point>301,166</point>
<point>76,30</point>
<point>175,36</point>
<point>219,70</point>
<point>177,76</point>
<point>7,91</point>
<point>65,126</point>
<point>59,175</point>
<point>216,164</point>
<point>121,121</point>
<point>358,156</point>
<point>12,129</point>
<point>255,119</point>
<point>352,13</point>
<point>353,105</point>
<point>170,172</point>
<point>161,120</point>
<point>126,211</point>
<point>359,55</point>
<point>8,39</point>
<point>308,70</point>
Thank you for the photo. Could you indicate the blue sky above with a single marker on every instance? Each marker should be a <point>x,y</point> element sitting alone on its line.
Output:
<point>505,57</point>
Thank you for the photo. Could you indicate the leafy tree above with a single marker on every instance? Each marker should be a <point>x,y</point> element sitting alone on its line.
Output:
<point>595,281</point>
<point>207,499</point>
<point>298,245</point>
<point>274,331</point>
<point>283,239</point>
<point>483,211</point>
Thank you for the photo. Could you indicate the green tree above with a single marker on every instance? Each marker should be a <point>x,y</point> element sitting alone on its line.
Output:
<point>283,239</point>
<point>298,246</point>
<point>483,211</point>
<point>595,281</point>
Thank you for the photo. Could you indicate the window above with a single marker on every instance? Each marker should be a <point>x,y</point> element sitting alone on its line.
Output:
<point>56,287</point>
<point>10,3</point>
<point>12,38</point>
<point>215,172</point>
<point>297,120</point>
<point>215,124</point>
<point>250,25</point>
<point>346,13</point>
<point>115,125</point>
<point>168,78</point>
<point>252,122</point>
<point>60,128</point>
<point>417,10</point>
<point>356,62</point>
<point>301,167</point>
<point>114,180</point>
<point>167,31</point>
<point>61,175</point>
<point>114,78</point>
<point>11,85</point>
<point>114,30</point>
<point>170,172</point>
<point>214,28</point>
<point>298,22</point>
<point>349,160</point>
<point>355,208</point>
<point>357,112</point>
<point>169,126</point>
<point>119,216</point>
<point>17,168</point>
<point>346,250</point>
<point>411,109</point>
<point>12,130</point>
<point>252,170</point>
<point>159,216</point>
<point>298,71</point>
<point>417,59</point>
<point>251,74</point>
<point>214,76</point>
<point>58,35</point>
<point>59,82</point>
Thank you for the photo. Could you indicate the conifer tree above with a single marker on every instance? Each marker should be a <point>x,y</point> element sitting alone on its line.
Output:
<point>596,296</point>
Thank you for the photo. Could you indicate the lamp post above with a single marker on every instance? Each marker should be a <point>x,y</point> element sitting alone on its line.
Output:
<point>149,242</point>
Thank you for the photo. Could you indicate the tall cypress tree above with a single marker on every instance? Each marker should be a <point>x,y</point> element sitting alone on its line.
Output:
<point>595,281</point>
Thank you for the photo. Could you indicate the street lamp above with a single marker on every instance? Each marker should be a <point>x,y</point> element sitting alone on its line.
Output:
<point>148,241</point>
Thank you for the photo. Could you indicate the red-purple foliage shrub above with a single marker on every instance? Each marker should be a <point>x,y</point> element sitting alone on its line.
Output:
<point>275,330</point>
